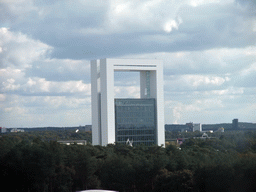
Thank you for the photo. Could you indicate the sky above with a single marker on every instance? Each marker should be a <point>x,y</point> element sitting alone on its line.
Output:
<point>208,48</point>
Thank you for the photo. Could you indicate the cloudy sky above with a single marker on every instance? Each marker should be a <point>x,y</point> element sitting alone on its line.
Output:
<point>208,48</point>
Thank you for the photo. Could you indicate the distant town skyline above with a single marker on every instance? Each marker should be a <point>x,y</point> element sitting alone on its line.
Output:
<point>207,47</point>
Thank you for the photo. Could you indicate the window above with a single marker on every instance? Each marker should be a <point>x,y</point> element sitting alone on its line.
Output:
<point>138,124</point>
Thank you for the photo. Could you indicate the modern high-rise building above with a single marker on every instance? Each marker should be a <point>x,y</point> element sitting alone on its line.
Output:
<point>235,124</point>
<point>141,120</point>
<point>135,121</point>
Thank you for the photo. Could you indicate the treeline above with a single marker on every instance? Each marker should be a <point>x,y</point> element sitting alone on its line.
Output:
<point>53,135</point>
<point>226,163</point>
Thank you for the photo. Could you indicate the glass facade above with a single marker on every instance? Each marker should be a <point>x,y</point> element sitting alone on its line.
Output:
<point>135,120</point>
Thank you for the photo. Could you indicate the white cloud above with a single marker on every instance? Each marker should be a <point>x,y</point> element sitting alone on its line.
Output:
<point>221,61</point>
<point>24,65</point>
<point>142,15</point>
<point>228,91</point>
<point>16,110</point>
<point>172,24</point>
<point>10,72</point>
<point>25,56</point>
<point>197,109</point>
<point>196,3</point>
<point>194,82</point>
<point>127,91</point>
<point>10,79</point>
<point>20,51</point>
<point>68,102</point>
<point>2,97</point>
<point>9,85</point>
<point>45,111</point>
<point>41,85</point>
<point>248,70</point>
<point>198,80</point>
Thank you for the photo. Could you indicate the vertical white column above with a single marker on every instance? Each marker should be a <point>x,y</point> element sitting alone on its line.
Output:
<point>107,102</point>
<point>160,103</point>
<point>95,105</point>
<point>156,91</point>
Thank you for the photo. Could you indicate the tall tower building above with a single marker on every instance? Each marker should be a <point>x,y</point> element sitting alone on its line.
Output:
<point>235,124</point>
<point>118,120</point>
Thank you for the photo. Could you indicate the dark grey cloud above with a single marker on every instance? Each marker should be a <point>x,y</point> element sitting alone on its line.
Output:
<point>86,30</point>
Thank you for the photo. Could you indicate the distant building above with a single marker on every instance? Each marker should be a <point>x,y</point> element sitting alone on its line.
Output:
<point>221,129</point>
<point>235,124</point>
<point>197,127</point>
<point>176,127</point>
<point>188,127</point>
<point>70,142</point>
<point>3,130</point>
<point>88,128</point>
<point>15,130</point>
<point>215,127</point>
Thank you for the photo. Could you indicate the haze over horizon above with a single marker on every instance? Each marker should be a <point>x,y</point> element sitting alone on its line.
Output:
<point>207,47</point>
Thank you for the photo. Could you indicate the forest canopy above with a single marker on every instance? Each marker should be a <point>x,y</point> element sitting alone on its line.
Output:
<point>37,162</point>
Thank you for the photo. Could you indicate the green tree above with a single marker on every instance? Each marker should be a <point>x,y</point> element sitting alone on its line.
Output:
<point>214,178</point>
<point>180,181</point>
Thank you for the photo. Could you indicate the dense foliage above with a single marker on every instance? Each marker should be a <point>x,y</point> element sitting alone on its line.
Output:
<point>35,162</point>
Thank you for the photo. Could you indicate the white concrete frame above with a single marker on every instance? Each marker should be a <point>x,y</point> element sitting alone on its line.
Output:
<point>102,95</point>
